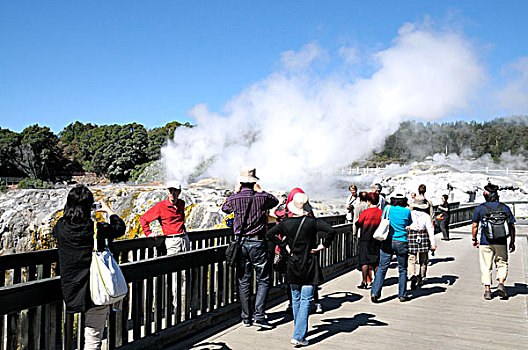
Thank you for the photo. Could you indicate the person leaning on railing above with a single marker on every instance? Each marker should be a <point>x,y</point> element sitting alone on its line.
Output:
<point>170,213</point>
<point>75,235</point>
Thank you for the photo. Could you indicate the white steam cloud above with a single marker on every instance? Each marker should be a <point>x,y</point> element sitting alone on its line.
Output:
<point>297,123</point>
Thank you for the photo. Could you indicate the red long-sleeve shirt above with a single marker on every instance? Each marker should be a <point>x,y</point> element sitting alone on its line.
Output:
<point>171,217</point>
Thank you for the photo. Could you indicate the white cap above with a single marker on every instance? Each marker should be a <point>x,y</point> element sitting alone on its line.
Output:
<point>173,184</point>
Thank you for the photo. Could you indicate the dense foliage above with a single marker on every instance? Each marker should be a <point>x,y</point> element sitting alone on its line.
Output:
<point>122,152</point>
<point>114,150</point>
<point>416,140</point>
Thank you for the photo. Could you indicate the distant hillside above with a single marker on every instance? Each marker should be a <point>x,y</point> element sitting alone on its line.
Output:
<point>414,141</point>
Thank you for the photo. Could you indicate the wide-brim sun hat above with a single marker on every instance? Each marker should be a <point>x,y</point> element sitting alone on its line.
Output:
<point>300,205</point>
<point>398,194</point>
<point>173,184</point>
<point>248,174</point>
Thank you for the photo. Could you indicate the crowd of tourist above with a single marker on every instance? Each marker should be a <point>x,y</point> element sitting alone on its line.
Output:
<point>297,238</point>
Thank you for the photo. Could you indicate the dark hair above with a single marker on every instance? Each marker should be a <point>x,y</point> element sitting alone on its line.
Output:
<point>373,197</point>
<point>445,197</point>
<point>363,196</point>
<point>377,187</point>
<point>422,189</point>
<point>78,204</point>
<point>352,186</point>
<point>491,196</point>
<point>401,202</point>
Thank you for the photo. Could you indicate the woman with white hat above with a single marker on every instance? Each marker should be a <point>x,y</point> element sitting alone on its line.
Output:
<point>421,240</point>
<point>303,270</point>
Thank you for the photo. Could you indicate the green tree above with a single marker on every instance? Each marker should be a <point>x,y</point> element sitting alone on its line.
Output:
<point>9,143</point>
<point>118,149</point>
<point>158,137</point>
<point>75,143</point>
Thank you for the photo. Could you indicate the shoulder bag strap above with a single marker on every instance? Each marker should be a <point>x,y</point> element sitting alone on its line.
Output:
<point>95,237</point>
<point>246,216</point>
<point>297,234</point>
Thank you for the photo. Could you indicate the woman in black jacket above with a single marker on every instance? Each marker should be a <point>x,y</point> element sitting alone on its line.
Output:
<point>75,235</point>
<point>303,270</point>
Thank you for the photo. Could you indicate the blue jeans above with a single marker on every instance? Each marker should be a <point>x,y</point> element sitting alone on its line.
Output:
<point>302,296</point>
<point>254,256</point>
<point>388,248</point>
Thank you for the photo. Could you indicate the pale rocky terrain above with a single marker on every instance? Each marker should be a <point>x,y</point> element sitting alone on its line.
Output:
<point>28,216</point>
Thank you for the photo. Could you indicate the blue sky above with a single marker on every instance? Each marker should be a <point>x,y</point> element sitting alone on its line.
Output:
<point>152,62</point>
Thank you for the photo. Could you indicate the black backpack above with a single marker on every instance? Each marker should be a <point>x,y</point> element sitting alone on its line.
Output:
<point>495,223</point>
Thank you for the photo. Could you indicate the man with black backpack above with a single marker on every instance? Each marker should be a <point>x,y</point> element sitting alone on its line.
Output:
<point>497,223</point>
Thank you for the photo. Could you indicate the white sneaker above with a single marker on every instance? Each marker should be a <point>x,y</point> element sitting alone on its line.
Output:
<point>296,342</point>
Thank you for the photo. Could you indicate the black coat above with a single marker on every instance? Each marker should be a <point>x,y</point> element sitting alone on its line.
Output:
<point>303,266</point>
<point>76,243</point>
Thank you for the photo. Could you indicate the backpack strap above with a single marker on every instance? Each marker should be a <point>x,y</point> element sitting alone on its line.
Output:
<point>386,212</point>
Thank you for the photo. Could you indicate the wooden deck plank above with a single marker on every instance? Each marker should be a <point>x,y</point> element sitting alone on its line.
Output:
<point>449,312</point>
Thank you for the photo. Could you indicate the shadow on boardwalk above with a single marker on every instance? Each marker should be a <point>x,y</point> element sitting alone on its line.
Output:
<point>517,289</point>
<point>426,290</point>
<point>333,326</point>
<point>434,261</point>
<point>332,301</point>
<point>212,346</point>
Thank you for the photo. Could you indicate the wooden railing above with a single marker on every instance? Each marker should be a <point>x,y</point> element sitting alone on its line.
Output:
<point>205,293</point>
<point>30,266</point>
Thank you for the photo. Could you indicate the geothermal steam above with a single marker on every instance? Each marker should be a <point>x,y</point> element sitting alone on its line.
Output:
<point>312,115</point>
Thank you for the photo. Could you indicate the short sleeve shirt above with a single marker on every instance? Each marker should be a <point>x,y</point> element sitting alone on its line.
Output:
<point>478,215</point>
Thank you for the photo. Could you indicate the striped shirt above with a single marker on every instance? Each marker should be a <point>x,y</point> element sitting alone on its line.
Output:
<point>256,221</point>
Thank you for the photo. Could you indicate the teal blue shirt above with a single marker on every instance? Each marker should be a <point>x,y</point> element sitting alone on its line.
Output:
<point>400,218</point>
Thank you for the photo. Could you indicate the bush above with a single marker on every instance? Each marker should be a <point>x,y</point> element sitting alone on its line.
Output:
<point>34,183</point>
<point>3,187</point>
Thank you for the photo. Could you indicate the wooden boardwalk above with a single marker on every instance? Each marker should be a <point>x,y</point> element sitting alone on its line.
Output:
<point>448,312</point>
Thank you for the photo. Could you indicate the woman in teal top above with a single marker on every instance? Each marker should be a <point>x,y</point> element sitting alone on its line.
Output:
<point>395,244</point>
<point>400,219</point>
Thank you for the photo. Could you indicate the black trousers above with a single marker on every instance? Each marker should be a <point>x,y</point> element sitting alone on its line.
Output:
<point>254,257</point>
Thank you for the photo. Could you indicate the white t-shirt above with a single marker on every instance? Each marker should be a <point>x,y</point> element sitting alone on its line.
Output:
<point>422,221</point>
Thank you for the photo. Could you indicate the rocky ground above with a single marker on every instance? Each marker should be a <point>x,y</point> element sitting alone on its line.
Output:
<point>28,216</point>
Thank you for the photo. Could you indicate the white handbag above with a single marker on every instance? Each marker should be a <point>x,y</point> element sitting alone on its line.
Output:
<point>382,232</point>
<point>107,283</point>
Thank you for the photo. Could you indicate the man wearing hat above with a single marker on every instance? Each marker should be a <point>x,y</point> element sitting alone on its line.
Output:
<point>250,204</point>
<point>171,215</point>
<point>495,250</point>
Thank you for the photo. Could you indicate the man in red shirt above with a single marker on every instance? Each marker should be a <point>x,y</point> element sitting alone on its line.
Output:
<point>171,215</point>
